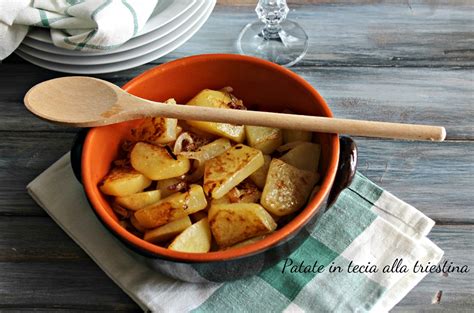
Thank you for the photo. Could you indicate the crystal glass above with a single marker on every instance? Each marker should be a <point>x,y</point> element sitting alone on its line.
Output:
<point>273,37</point>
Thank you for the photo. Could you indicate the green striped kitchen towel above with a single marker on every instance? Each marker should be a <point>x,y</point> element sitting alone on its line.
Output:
<point>367,226</point>
<point>82,25</point>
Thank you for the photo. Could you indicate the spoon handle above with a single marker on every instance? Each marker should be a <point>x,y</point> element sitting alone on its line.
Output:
<point>299,122</point>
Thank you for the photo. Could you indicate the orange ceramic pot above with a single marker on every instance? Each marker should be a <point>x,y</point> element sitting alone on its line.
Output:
<point>262,86</point>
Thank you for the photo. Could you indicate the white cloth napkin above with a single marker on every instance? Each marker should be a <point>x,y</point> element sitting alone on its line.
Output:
<point>81,25</point>
<point>389,228</point>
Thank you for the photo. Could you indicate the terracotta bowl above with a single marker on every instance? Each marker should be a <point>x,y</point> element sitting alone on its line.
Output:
<point>262,86</point>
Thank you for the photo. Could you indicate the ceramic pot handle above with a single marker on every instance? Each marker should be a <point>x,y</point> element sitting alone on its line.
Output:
<point>76,153</point>
<point>346,169</point>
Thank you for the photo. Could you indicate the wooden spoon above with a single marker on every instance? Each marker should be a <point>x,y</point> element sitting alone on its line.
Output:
<point>87,102</point>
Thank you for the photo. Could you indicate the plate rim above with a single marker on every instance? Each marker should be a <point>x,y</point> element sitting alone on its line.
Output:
<point>118,56</point>
<point>32,34</point>
<point>124,65</point>
<point>50,48</point>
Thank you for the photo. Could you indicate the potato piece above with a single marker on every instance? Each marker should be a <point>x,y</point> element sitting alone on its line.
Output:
<point>167,231</point>
<point>157,162</point>
<point>260,176</point>
<point>196,238</point>
<point>171,185</point>
<point>263,138</point>
<point>287,188</point>
<point>217,99</point>
<point>232,223</point>
<point>157,130</point>
<point>290,135</point>
<point>136,224</point>
<point>304,156</point>
<point>173,207</point>
<point>229,169</point>
<point>122,181</point>
<point>139,200</point>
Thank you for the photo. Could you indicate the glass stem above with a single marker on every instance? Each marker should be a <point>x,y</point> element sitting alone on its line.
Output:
<point>271,13</point>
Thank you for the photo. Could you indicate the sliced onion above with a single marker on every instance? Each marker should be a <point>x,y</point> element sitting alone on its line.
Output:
<point>178,145</point>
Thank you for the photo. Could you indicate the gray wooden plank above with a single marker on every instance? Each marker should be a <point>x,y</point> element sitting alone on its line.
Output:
<point>23,156</point>
<point>406,33</point>
<point>62,285</point>
<point>36,239</point>
<point>429,96</point>
<point>434,177</point>
<point>48,271</point>
<point>52,272</point>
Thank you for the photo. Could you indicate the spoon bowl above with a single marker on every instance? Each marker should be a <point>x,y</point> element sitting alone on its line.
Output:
<point>72,100</point>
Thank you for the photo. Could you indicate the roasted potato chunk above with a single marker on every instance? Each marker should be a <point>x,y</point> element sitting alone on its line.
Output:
<point>265,139</point>
<point>173,207</point>
<point>290,135</point>
<point>157,162</point>
<point>217,99</point>
<point>167,231</point>
<point>260,176</point>
<point>196,238</point>
<point>287,188</point>
<point>136,224</point>
<point>139,200</point>
<point>227,170</point>
<point>233,223</point>
<point>304,156</point>
<point>122,181</point>
<point>157,130</point>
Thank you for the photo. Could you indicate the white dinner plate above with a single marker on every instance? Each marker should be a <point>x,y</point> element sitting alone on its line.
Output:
<point>169,28</point>
<point>121,56</point>
<point>119,66</point>
<point>165,12</point>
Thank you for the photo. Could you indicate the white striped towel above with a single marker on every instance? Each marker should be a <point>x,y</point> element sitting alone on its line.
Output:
<point>81,25</point>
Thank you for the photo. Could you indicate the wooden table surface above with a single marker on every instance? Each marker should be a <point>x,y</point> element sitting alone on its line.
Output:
<point>407,61</point>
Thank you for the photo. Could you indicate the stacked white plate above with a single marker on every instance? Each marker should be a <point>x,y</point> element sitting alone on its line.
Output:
<point>171,24</point>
